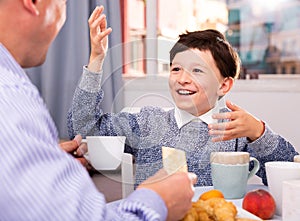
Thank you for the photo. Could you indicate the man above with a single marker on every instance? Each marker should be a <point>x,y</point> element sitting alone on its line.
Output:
<point>38,180</point>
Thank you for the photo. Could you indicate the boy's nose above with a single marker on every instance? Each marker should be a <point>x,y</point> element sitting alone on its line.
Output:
<point>184,77</point>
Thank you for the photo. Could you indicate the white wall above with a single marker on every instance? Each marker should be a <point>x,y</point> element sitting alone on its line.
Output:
<point>275,100</point>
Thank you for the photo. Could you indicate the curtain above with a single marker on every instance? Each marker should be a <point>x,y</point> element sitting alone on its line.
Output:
<point>58,77</point>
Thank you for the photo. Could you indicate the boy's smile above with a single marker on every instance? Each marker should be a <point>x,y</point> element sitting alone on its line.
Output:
<point>185,92</point>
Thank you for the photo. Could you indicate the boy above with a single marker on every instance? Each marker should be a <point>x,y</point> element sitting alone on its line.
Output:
<point>203,69</point>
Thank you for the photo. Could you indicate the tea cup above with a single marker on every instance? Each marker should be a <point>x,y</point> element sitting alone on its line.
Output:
<point>230,172</point>
<point>105,152</point>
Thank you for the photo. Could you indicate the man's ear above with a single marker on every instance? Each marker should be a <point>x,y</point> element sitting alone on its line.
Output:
<point>225,86</point>
<point>30,5</point>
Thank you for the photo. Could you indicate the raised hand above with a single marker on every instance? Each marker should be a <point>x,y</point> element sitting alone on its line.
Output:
<point>239,123</point>
<point>99,38</point>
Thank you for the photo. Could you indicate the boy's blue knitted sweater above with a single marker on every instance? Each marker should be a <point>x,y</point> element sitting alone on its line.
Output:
<point>152,128</point>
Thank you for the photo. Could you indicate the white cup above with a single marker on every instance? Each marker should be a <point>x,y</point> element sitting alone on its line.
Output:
<point>291,200</point>
<point>277,172</point>
<point>230,172</point>
<point>105,152</point>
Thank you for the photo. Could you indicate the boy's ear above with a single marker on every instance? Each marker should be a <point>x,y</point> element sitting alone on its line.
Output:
<point>225,86</point>
<point>30,5</point>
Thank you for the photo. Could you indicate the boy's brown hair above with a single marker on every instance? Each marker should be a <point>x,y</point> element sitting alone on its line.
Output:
<point>226,58</point>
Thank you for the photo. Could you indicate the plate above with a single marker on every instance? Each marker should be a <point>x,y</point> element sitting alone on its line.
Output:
<point>245,214</point>
<point>237,202</point>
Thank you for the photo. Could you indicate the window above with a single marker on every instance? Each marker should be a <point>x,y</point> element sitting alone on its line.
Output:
<point>283,70</point>
<point>264,32</point>
<point>293,71</point>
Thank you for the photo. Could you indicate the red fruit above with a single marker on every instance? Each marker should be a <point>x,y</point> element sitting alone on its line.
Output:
<point>261,203</point>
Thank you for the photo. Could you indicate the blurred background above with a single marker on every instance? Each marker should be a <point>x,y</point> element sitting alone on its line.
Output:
<point>264,33</point>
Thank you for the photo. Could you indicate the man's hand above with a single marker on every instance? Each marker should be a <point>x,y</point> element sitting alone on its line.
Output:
<point>239,123</point>
<point>176,190</point>
<point>76,148</point>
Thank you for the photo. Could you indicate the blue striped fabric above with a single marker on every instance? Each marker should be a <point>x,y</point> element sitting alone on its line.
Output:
<point>38,181</point>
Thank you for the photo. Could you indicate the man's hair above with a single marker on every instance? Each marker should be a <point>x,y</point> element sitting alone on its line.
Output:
<point>226,58</point>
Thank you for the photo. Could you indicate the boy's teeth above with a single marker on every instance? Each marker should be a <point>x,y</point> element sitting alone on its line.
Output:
<point>184,92</point>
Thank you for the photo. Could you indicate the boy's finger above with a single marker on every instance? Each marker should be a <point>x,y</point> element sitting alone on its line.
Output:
<point>232,106</point>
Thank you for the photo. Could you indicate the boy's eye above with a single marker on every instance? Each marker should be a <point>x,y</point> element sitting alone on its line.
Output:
<point>197,70</point>
<point>176,69</point>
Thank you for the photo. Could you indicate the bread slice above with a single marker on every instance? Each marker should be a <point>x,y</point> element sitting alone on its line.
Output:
<point>174,160</point>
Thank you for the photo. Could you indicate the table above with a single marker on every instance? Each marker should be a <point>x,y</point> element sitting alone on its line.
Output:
<point>110,186</point>
<point>116,184</point>
<point>237,202</point>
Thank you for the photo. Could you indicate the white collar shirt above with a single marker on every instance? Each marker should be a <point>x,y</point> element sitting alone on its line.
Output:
<point>182,117</point>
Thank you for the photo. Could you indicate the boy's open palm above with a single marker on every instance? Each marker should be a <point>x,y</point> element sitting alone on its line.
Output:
<point>239,123</point>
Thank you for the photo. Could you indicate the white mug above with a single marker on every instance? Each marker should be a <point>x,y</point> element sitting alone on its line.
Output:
<point>105,152</point>
<point>277,172</point>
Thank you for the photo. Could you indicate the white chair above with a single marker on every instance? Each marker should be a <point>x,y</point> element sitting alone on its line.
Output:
<point>127,172</point>
<point>117,184</point>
